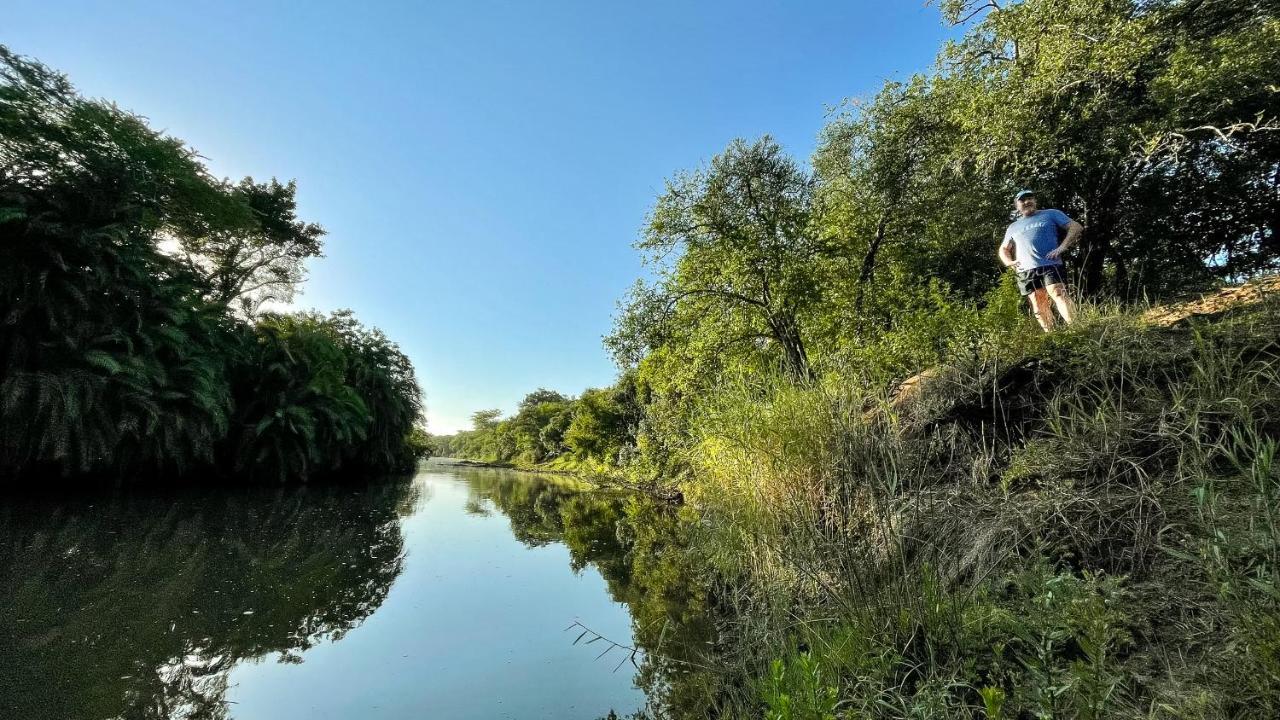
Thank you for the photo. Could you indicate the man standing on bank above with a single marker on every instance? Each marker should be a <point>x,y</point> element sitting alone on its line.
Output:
<point>1031,243</point>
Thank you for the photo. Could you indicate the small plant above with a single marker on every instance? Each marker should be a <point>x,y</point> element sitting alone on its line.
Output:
<point>799,690</point>
<point>992,702</point>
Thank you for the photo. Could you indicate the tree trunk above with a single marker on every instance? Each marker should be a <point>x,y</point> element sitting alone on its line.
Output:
<point>869,262</point>
<point>795,361</point>
<point>1093,255</point>
<point>1096,247</point>
<point>1270,241</point>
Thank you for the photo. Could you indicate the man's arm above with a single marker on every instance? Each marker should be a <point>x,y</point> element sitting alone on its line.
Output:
<point>1074,229</point>
<point>1006,253</point>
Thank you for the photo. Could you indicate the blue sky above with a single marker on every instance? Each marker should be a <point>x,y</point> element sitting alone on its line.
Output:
<point>482,168</point>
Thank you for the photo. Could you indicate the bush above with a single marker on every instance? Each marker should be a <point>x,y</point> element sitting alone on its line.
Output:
<point>321,394</point>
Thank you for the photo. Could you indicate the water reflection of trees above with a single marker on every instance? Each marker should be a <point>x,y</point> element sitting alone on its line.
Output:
<point>642,549</point>
<point>137,606</point>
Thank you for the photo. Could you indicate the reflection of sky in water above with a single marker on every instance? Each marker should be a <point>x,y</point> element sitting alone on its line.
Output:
<point>474,627</point>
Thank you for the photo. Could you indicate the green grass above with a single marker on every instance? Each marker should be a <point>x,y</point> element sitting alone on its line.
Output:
<point>1082,525</point>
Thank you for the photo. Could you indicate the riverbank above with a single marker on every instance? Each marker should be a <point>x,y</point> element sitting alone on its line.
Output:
<point>1086,528</point>
<point>596,475</point>
<point>522,467</point>
<point>1079,524</point>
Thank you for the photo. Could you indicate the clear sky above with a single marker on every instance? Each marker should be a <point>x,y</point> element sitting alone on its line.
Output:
<point>482,167</point>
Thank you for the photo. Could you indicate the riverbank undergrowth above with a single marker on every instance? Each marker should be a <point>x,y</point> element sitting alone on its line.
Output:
<point>1084,528</point>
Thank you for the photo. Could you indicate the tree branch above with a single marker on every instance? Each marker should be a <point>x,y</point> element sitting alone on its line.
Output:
<point>989,5</point>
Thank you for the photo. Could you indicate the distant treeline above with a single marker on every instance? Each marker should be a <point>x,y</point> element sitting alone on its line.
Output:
<point>132,342</point>
<point>1155,124</point>
<point>597,427</point>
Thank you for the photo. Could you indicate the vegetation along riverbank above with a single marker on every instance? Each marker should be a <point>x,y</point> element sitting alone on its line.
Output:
<point>134,339</point>
<point>1081,524</point>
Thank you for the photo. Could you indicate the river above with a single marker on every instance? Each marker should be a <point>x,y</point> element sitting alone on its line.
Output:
<point>459,593</point>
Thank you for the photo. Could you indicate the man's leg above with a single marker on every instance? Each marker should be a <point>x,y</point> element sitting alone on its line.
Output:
<point>1039,301</point>
<point>1062,300</point>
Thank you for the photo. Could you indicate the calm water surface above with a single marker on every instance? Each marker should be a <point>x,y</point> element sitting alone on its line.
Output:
<point>445,597</point>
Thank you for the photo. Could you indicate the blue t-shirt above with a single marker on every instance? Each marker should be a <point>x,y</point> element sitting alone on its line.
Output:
<point>1034,237</point>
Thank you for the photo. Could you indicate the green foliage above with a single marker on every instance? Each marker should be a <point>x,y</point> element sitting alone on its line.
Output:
<point>537,428</point>
<point>1150,121</point>
<point>294,409</point>
<point>421,444</point>
<point>1082,528</point>
<point>119,353</point>
<point>596,429</point>
<point>321,394</point>
<point>600,425</point>
<point>1077,525</point>
<point>256,256</point>
<point>735,263</point>
<point>1048,642</point>
<point>109,359</point>
<point>384,379</point>
<point>799,690</point>
<point>1154,123</point>
<point>992,702</point>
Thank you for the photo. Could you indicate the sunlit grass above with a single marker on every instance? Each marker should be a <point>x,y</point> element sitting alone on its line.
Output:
<point>1074,525</point>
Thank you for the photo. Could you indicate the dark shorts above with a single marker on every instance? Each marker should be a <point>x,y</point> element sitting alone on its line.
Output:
<point>1032,280</point>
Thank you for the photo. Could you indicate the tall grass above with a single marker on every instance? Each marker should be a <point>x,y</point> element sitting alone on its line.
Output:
<point>1082,525</point>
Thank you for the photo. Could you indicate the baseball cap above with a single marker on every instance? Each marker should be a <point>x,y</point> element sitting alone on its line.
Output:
<point>1023,193</point>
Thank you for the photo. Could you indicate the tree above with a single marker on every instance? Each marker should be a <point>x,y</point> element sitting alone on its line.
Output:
<point>733,252</point>
<point>294,410</point>
<point>1155,123</point>
<point>540,396</point>
<point>119,358</point>
<point>485,419</point>
<point>384,378</point>
<point>489,439</point>
<point>109,358</point>
<point>257,253</point>
<point>910,227</point>
<point>527,428</point>
<point>599,427</point>
<point>317,394</point>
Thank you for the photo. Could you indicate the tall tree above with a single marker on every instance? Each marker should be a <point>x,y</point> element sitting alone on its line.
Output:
<point>1153,122</point>
<point>119,356</point>
<point>732,251</point>
<point>255,254</point>
<point>109,359</point>
<point>902,215</point>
